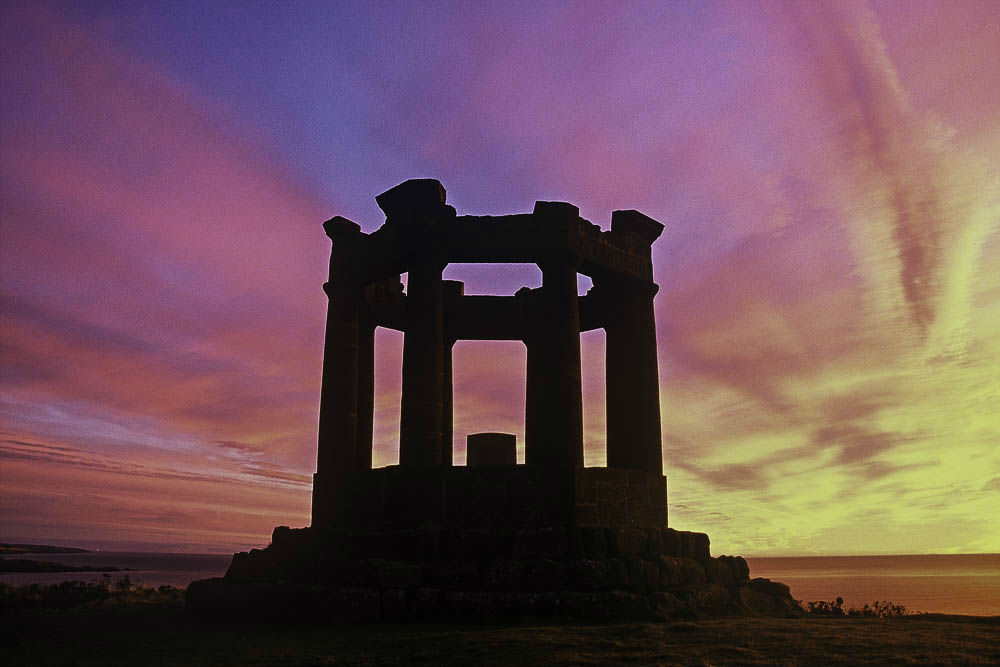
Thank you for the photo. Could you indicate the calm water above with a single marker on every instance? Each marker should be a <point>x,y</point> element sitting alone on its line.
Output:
<point>152,569</point>
<point>950,584</point>
<point>962,584</point>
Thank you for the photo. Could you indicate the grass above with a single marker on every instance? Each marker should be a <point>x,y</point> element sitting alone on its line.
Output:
<point>136,625</point>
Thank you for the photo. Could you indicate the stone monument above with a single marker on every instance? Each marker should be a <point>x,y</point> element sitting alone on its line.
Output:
<point>426,538</point>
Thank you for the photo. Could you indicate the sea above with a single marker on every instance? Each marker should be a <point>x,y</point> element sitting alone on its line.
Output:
<point>947,584</point>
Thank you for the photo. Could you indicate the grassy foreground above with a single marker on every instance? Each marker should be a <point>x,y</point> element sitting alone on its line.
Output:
<point>158,633</point>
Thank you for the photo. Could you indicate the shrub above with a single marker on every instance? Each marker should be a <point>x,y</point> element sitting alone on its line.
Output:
<point>877,609</point>
<point>67,594</point>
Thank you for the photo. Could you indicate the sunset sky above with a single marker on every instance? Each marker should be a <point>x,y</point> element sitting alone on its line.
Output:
<point>829,306</point>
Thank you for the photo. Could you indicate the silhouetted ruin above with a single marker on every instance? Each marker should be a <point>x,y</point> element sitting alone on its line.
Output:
<point>549,538</point>
<point>421,235</point>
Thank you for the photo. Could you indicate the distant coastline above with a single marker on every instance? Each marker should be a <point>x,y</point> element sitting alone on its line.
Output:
<point>38,549</point>
<point>8,565</point>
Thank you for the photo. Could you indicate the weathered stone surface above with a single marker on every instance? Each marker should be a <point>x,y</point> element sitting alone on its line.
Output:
<point>425,603</point>
<point>354,605</point>
<point>502,575</point>
<point>756,602</point>
<point>616,605</point>
<point>708,598</point>
<point>695,545</point>
<point>675,572</point>
<point>671,542</point>
<point>395,604</point>
<point>544,574</point>
<point>738,566</point>
<point>768,587</point>
<point>455,576</point>
<point>719,572</point>
<point>591,575</point>
<point>414,194</point>
<point>636,574</point>
<point>550,542</point>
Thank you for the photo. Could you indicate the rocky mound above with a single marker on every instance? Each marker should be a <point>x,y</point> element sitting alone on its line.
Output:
<point>591,574</point>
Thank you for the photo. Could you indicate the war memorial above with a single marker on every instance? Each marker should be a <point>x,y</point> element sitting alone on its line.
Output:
<point>494,539</point>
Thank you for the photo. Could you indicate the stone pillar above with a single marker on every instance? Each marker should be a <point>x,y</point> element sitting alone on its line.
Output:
<point>421,419</point>
<point>554,398</point>
<point>633,390</point>
<point>452,290</point>
<point>366,391</point>
<point>338,413</point>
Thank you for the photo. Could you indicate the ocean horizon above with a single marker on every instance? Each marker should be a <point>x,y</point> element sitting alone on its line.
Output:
<point>932,583</point>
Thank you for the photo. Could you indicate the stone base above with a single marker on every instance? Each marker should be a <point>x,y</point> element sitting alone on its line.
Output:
<point>589,574</point>
<point>508,496</point>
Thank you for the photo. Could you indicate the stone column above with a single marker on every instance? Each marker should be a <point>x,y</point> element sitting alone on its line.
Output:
<point>633,390</point>
<point>366,391</point>
<point>421,419</point>
<point>554,398</point>
<point>452,290</point>
<point>338,413</point>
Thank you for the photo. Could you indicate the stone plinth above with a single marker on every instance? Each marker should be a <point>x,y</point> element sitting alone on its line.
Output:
<point>510,496</point>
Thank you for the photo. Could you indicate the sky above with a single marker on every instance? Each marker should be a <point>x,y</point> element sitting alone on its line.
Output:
<point>828,317</point>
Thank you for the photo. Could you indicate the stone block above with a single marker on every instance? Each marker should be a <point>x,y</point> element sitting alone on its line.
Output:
<point>755,602</point>
<point>775,589</point>
<point>538,605</point>
<point>654,541</point>
<point>738,566</point>
<point>585,489</point>
<point>696,546</point>
<point>637,574</point>
<point>555,210</point>
<point>354,605</point>
<point>550,542</point>
<point>591,575</point>
<point>710,598</point>
<point>595,543</point>
<point>455,576</point>
<point>671,542</point>
<point>414,194</point>
<point>718,572</point>
<point>470,604</point>
<point>487,544</point>
<point>675,572</point>
<point>617,605</point>
<point>544,574</point>
<point>395,604</point>
<point>502,575</point>
<point>637,225</point>
<point>667,606</point>
<point>395,574</point>
<point>618,573</point>
<point>425,603</point>
<point>623,542</point>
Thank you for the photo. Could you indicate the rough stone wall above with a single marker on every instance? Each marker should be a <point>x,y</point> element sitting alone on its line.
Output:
<point>505,496</point>
<point>586,573</point>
